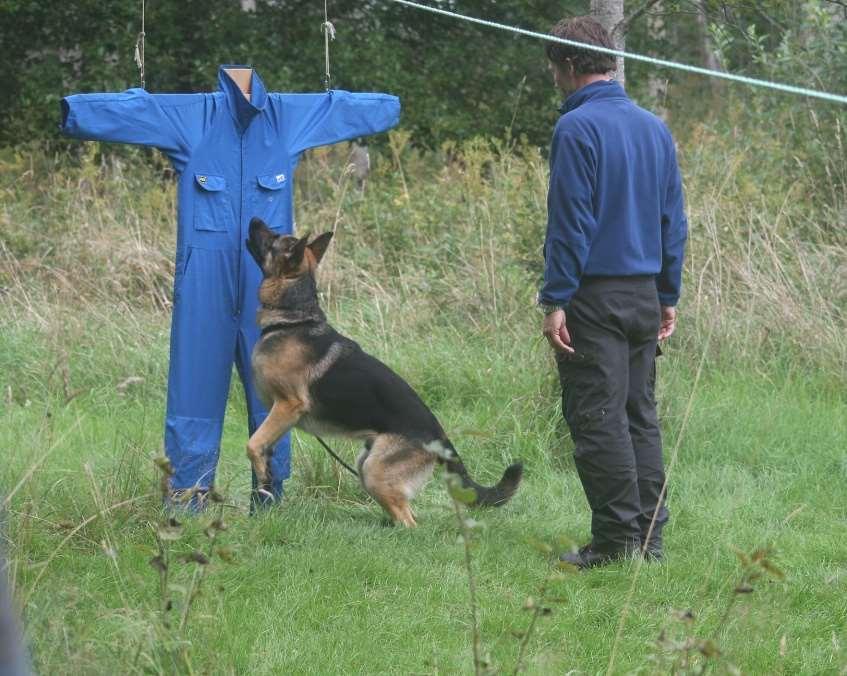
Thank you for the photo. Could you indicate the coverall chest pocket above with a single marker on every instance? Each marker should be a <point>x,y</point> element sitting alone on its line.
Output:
<point>211,206</point>
<point>270,198</point>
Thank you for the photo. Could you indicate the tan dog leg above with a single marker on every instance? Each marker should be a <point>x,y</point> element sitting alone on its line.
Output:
<point>281,418</point>
<point>392,472</point>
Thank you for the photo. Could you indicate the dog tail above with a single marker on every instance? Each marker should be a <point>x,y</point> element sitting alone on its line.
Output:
<point>486,496</point>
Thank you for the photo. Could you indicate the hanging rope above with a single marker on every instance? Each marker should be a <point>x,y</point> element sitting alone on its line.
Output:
<point>139,47</point>
<point>329,34</point>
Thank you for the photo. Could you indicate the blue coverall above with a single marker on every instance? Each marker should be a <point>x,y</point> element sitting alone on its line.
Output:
<point>235,160</point>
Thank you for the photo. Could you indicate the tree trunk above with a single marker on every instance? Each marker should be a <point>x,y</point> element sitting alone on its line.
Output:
<point>710,59</point>
<point>610,14</point>
<point>657,84</point>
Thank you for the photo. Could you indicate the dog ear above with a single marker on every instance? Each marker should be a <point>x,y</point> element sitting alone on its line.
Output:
<point>320,244</point>
<point>259,241</point>
<point>296,254</point>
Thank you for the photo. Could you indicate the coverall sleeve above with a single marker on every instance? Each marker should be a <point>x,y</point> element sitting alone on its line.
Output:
<point>674,235</point>
<point>571,225</point>
<point>341,116</point>
<point>134,116</point>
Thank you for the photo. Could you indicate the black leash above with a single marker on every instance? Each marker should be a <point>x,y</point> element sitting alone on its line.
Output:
<point>339,460</point>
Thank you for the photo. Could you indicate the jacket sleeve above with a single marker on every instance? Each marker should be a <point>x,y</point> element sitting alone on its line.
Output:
<point>571,225</point>
<point>133,116</point>
<point>674,235</point>
<point>341,116</point>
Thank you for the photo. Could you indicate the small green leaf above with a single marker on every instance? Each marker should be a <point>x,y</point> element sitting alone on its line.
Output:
<point>541,546</point>
<point>564,543</point>
<point>566,567</point>
<point>759,555</point>
<point>742,557</point>
<point>170,533</point>
<point>772,569</point>
<point>196,556</point>
<point>684,615</point>
<point>215,527</point>
<point>158,563</point>
<point>466,496</point>
<point>474,525</point>
<point>226,553</point>
<point>708,648</point>
<point>164,465</point>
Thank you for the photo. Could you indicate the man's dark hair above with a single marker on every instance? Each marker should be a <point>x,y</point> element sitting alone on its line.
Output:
<point>589,31</point>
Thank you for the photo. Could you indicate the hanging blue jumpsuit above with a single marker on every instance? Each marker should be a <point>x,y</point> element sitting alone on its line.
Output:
<point>235,160</point>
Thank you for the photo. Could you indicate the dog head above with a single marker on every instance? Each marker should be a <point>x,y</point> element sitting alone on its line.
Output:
<point>285,256</point>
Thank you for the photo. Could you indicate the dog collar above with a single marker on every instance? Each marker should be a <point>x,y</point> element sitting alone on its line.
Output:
<point>279,326</point>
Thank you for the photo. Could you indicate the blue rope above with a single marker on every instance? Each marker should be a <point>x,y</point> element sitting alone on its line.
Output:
<point>791,89</point>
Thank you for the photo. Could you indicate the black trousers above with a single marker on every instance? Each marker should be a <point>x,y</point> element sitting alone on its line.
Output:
<point>609,404</point>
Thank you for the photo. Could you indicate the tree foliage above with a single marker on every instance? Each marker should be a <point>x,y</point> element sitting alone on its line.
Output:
<point>457,80</point>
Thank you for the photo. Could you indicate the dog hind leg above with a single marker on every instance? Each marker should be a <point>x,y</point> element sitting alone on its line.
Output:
<point>392,470</point>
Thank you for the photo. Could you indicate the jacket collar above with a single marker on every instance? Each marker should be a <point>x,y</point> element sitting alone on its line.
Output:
<point>602,89</point>
<point>243,111</point>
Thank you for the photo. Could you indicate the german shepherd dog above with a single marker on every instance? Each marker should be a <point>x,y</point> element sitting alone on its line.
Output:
<point>313,378</point>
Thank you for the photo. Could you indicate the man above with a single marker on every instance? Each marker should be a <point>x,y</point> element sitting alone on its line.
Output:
<point>613,254</point>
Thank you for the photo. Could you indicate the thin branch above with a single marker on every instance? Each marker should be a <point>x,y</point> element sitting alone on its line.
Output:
<point>466,541</point>
<point>536,613</point>
<point>623,26</point>
<point>757,6</point>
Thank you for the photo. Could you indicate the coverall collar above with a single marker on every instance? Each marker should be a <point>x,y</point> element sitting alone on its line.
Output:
<point>243,111</point>
<point>602,89</point>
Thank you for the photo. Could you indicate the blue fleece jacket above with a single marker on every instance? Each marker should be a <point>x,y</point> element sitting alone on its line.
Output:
<point>615,204</point>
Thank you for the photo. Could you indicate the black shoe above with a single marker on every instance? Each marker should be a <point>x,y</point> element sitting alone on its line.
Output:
<point>588,557</point>
<point>653,551</point>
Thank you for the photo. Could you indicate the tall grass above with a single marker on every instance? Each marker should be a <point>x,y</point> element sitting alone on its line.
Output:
<point>456,233</point>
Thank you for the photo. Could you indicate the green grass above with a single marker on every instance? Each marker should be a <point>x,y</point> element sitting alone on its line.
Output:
<point>433,269</point>
<point>321,585</point>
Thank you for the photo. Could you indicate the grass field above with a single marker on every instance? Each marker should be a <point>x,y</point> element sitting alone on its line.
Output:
<point>755,443</point>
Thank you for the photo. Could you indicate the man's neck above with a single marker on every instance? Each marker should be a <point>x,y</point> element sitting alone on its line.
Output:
<point>584,80</point>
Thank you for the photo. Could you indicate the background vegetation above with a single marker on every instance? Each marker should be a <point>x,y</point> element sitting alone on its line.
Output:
<point>456,80</point>
<point>434,268</point>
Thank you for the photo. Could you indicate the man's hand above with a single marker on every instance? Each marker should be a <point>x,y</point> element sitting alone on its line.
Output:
<point>668,322</point>
<point>556,332</point>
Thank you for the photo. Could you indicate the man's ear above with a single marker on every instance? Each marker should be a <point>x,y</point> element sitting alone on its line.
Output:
<point>319,245</point>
